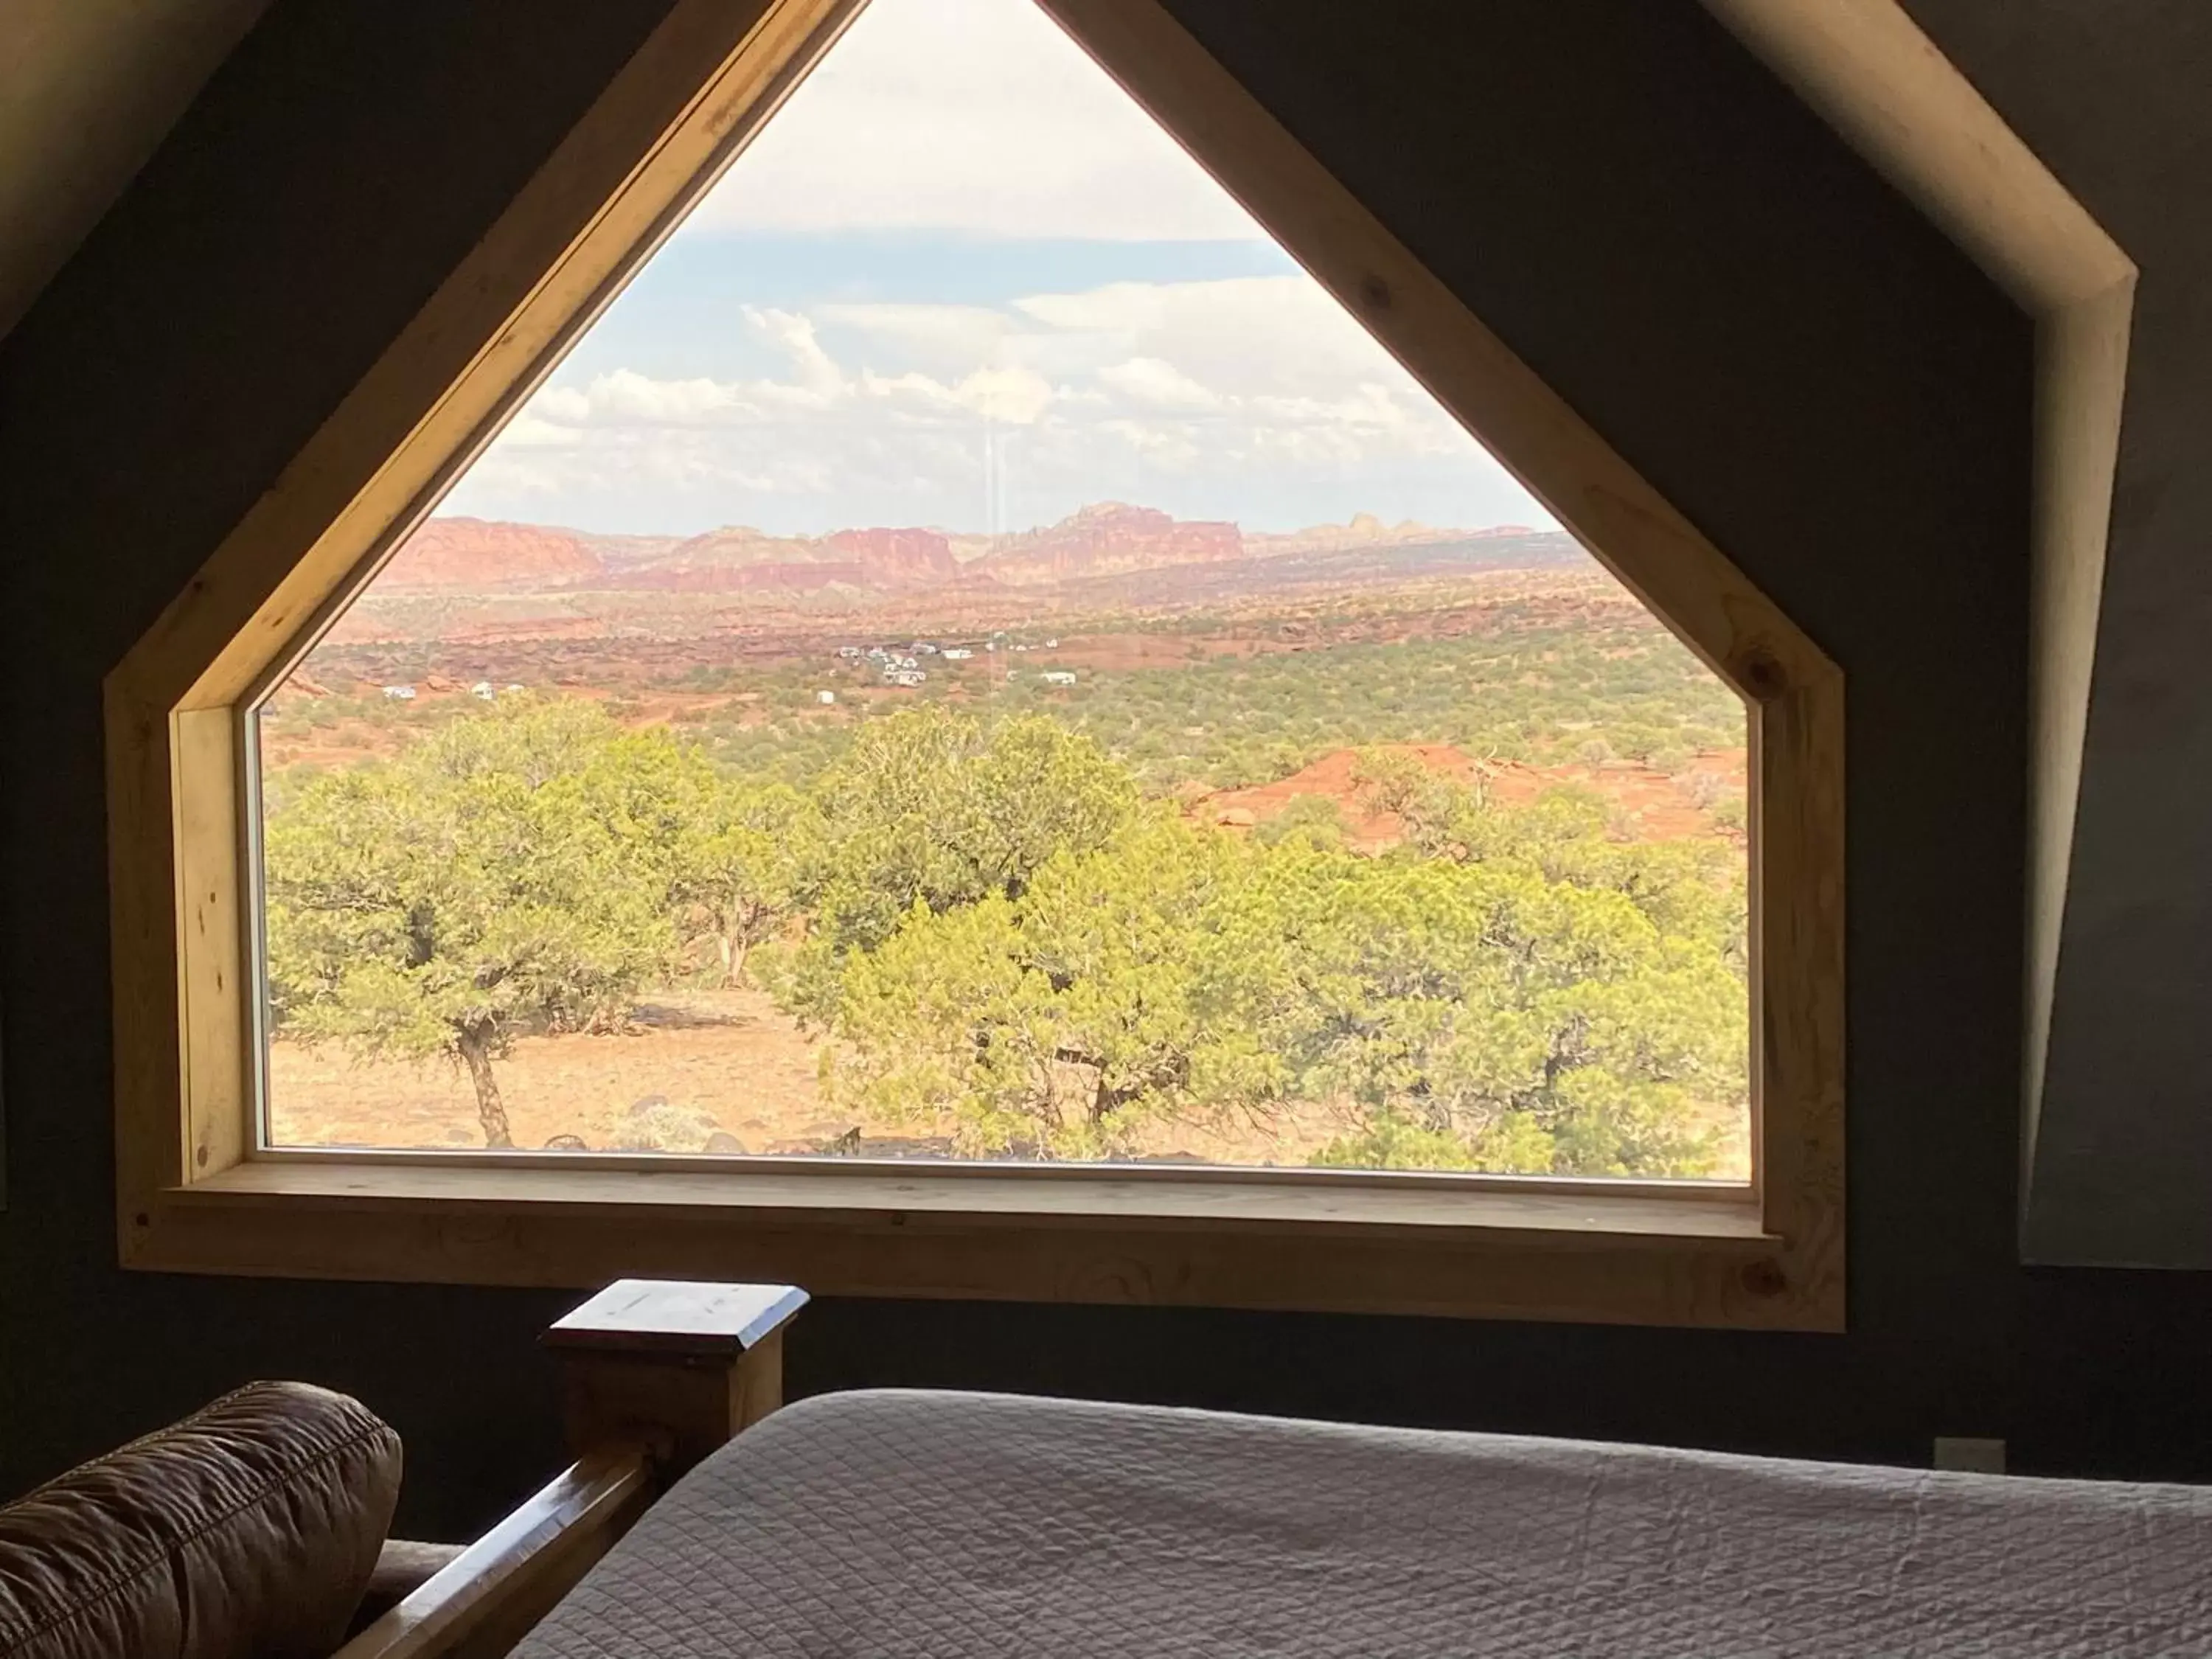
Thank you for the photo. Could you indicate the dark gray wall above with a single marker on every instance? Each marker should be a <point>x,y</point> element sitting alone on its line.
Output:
<point>2113,98</point>
<point>1781,344</point>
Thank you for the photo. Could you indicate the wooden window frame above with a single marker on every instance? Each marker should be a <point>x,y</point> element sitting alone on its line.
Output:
<point>196,1194</point>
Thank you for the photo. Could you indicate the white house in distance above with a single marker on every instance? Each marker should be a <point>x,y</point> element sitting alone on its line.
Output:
<point>825,698</point>
<point>399,693</point>
<point>1057,677</point>
<point>957,653</point>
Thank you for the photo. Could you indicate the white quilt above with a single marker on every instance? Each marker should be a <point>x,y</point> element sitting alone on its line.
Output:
<point>965,1525</point>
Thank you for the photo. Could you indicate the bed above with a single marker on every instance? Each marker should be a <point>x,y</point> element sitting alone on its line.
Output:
<point>968,1525</point>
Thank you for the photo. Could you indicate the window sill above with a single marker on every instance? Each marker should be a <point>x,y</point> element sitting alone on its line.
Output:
<point>1696,1255</point>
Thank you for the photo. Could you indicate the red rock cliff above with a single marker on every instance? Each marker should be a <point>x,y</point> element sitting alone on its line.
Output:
<point>1107,540</point>
<point>897,558</point>
<point>476,553</point>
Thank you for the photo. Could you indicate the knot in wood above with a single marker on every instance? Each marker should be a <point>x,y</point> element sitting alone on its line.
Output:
<point>1765,1277</point>
<point>1760,675</point>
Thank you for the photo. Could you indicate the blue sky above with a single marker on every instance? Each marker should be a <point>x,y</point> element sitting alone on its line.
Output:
<point>961,280</point>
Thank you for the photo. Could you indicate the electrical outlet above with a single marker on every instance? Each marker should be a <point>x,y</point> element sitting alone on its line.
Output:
<point>1970,1455</point>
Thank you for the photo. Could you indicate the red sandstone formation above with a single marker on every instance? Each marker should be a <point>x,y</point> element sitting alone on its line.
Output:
<point>478,553</point>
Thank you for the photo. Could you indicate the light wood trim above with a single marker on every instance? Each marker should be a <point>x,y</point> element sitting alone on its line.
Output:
<point>1544,1249</point>
<point>1794,692</point>
<point>679,111</point>
<point>615,187</point>
<point>1642,1211</point>
<point>1654,551</point>
<point>912,1175</point>
<point>1867,68</point>
<point>217,1058</point>
<point>581,1226</point>
<point>485,1602</point>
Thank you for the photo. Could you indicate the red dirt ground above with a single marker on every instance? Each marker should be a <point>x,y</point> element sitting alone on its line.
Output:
<point>1661,807</point>
<point>704,1066</point>
<point>702,1063</point>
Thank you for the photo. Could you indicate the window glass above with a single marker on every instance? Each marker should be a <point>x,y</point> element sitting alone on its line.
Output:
<point>976,655</point>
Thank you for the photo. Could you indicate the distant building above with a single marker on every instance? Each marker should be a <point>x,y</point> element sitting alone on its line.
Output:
<point>1057,677</point>
<point>876,654</point>
<point>849,651</point>
<point>1052,645</point>
<point>908,678</point>
<point>482,691</point>
<point>400,693</point>
<point>514,685</point>
<point>957,653</point>
<point>825,698</point>
<point>923,648</point>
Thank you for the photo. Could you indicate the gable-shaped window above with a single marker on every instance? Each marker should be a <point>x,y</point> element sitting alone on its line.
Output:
<point>956,703</point>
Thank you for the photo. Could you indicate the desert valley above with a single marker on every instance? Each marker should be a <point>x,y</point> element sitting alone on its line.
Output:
<point>1346,692</point>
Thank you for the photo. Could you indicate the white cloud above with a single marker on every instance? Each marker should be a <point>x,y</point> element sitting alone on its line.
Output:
<point>1250,388</point>
<point>1168,447</point>
<point>561,403</point>
<point>1253,398</point>
<point>532,432</point>
<point>1118,307</point>
<point>626,395</point>
<point>1016,395</point>
<point>934,337</point>
<point>794,333</point>
<point>969,115</point>
<point>1155,383</point>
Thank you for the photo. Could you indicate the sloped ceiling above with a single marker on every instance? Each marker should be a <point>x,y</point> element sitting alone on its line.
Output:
<point>91,88</point>
<point>2112,98</point>
<point>2109,102</point>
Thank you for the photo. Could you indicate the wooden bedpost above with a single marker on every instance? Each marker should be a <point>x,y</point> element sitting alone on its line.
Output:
<point>675,1366</point>
<point>657,1373</point>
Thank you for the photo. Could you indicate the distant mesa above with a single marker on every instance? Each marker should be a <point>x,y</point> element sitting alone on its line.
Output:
<point>1106,539</point>
<point>897,558</point>
<point>733,559</point>
<point>1109,539</point>
<point>1365,530</point>
<point>740,559</point>
<point>484,553</point>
